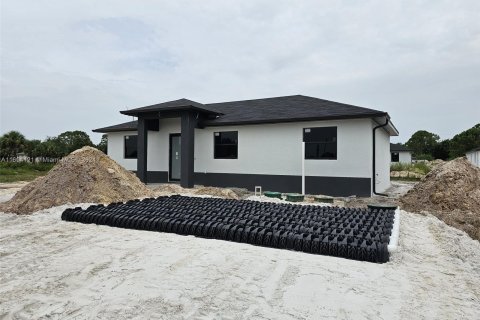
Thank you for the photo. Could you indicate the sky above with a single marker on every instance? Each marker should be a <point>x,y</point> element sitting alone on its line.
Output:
<point>73,65</point>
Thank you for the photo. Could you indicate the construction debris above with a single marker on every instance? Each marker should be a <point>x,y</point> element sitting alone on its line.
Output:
<point>451,191</point>
<point>86,175</point>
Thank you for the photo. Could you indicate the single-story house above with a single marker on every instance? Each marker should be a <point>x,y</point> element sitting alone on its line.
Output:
<point>400,153</point>
<point>474,156</point>
<point>282,144</point>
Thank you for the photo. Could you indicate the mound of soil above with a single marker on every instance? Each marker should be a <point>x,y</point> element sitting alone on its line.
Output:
<point>217,192</point>
<point>86,175</point>
<point>451,191</point>
<point>168,189</point>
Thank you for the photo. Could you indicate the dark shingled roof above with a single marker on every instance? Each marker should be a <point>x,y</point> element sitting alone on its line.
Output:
<point>398,147</point>
<point>126,126</point>
<point>286,109</point>
<point>175,105</point>
<point>268,110</point>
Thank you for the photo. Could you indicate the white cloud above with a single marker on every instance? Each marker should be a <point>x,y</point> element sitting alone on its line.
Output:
<point>75,64</point>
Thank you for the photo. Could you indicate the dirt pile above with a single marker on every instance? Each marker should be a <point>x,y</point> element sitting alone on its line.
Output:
<point>451,191</point>
<point>168,189</point>
<point>217,192</point>
<point>85,175</point>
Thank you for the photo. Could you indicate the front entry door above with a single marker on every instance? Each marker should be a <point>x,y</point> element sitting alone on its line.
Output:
<point>175,157</point>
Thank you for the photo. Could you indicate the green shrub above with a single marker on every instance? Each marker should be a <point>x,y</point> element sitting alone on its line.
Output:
<point>22,171</point>
<point>27,166</point>
<point>419,167</point>
<point>398,166</point>
<point>427,157</point>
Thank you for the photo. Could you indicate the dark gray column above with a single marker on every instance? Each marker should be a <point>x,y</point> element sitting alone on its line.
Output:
<point>187,149</point>
<point>142,149</point>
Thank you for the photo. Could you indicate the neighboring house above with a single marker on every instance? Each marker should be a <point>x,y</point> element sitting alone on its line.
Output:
<point>258,143</point>
<point>474,156</point>
<point>400,153</point>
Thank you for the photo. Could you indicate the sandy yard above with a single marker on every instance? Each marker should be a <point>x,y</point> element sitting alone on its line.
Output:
<point>51,269</point>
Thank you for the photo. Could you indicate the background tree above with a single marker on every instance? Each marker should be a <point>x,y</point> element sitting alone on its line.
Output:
<point>11,144</point>
<point>73,140</point>
<point>102,146</point>
<point>442,150</point>
<point>423,144</point>
<point>52,147</point>
<point>465,141</point>
<point>32,149</point>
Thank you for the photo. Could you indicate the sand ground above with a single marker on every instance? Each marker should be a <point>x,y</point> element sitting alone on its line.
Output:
<point>51,269</point>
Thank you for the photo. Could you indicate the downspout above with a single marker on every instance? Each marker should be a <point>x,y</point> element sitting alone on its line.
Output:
<point>374,160</point>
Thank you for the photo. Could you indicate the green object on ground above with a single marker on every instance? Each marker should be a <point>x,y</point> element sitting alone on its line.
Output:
<point>323,199</point>
<point>273,194</point>
<point>382,206</point>
<point>295,197</point>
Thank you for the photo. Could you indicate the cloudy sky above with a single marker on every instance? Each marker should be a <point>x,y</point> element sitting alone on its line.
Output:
<point>69,65</point>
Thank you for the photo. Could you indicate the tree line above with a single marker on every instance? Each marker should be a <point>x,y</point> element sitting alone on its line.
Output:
<point>13,144</point>
<point>424,145</point>
<point>428,146</point>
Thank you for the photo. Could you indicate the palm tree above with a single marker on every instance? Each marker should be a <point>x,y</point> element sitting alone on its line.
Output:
<point>11,144</point>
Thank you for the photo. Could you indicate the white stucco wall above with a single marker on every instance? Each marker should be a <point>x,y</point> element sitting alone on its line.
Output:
<point>405,157</point>
<point>273,149</point>
<point>158,146</point>
<point>115,149</point>
<point>277,149</point>
<point>382,159</point>
<point>474,157</point>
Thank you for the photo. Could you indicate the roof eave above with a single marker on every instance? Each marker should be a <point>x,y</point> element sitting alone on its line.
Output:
<point>136,113</point>
<point>106,130</point>
<point>212,123</point>
<point>401,150</point>
<point>390,127</point>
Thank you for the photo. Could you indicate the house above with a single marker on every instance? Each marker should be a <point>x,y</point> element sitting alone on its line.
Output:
<point>258,143</point>
<point>400,153</point>
<point>474,156</point>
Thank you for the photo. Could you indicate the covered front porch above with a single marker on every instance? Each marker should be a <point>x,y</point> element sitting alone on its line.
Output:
<point>181,145</point>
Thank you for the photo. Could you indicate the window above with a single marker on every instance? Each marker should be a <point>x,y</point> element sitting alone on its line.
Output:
<point>130,150</point>
<point>320,143</point>
<point>225,145</point>
<point>395,157</point>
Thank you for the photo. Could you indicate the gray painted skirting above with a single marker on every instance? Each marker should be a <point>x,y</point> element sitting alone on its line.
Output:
<point>332,186</point>
<point>156,176</point>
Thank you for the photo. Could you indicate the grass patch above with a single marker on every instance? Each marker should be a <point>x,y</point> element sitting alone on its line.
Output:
<point>419,167</point>
<point>23,171</point>
<point>405,179</point>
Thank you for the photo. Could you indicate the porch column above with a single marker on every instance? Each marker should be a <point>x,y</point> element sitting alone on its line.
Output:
<point>187,149</point>
<point>142,138</point>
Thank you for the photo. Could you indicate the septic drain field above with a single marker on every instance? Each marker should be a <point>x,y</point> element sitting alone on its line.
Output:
<point>353,233</point>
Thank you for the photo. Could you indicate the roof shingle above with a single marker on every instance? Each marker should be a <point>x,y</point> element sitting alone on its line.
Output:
<point>126,126</point>
<point>267,110</point>
<point>398,147</point>
<point>175,105</point>
<point>285,109</point>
